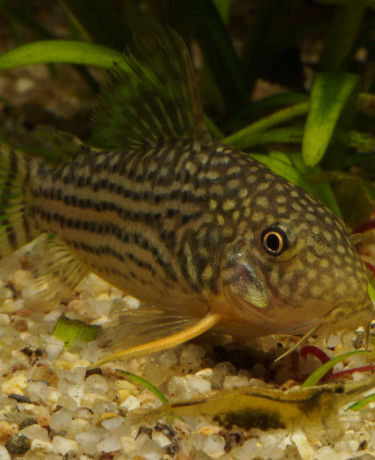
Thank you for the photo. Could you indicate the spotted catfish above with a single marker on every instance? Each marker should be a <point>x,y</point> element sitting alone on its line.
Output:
<point>203,234</point>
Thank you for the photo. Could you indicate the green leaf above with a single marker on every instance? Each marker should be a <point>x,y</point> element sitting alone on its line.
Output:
<point>355,194</point>
<point>101,21</point>
<point>145,383</point>
<point>43,52</point>
<point>317,375</point>
<point>363,402</point>
<point>329,96</point>
<point>215,42</point>
<point>243,138</point>
<point>69,330</point>
<point>341,34</point>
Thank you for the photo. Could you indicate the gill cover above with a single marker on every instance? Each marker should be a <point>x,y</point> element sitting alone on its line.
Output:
<point>243,284</point>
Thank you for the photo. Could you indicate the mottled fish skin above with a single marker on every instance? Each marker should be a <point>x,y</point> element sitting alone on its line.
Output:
<point>179,220</point>
<point>183,224</point>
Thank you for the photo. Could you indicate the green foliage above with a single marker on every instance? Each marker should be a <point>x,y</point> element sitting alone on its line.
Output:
<point>317,375</point>
<point>331,124</point>
<point>71,330</point>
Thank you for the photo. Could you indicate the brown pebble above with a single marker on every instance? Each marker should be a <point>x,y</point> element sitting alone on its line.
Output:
<point>21,325</point>
<point>6,430</point>
<point>18,444</point>
<point>43,420</point>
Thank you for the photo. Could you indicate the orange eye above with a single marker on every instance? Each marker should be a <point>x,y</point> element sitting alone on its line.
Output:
<point>274,241</point>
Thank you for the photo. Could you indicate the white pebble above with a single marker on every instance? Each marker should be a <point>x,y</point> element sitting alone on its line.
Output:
<point>109,444</point>
<point>37,390</point>
<point>23,85</point>
<point>148,448</point>
<point>4,320</point>
<point>160,438</point>
<point>178,388</point>
<point>36,432</point>
<point>4,454</point>
<point>131,403</point>
<point>127,444</point>
<point>89,440</point>
<point>96,384</point>
<point>111,424</point>
<point>191,356</point>
<point>235,381</point>
<point>62,445</point>
<point>303,445</point>
<point>198,385</point>
<point>37,444</point>
<point>61,420</point>
<point>53,346</point>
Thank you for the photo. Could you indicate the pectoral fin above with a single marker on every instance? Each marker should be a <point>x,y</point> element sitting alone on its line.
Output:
<point>56,272</point>
<point>145,331</point>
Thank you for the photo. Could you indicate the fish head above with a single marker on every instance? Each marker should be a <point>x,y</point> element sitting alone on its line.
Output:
<point>291,270</point>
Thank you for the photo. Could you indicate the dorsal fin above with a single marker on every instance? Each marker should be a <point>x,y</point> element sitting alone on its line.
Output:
<point>152,96</point>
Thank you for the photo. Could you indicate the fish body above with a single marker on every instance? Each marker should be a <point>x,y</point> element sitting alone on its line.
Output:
<point>179,220</point>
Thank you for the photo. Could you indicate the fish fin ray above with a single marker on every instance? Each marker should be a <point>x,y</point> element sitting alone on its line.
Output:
<point>152,96</point>
<point>55,270</point>
<point>66,146</point>
<point>149,330</point>
<point>15,226</point>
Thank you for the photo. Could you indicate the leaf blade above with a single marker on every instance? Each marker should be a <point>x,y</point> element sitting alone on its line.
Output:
<point>329,96</point>
<point>68,51</point>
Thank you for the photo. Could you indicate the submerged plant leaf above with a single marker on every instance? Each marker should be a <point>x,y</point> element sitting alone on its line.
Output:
<point>69,330</point>
<point>145,383</point>
<point>73,52</point>
<point>329,96</point>
<point>244,137</point>
<point>361,403</point>
<point>319,373</point>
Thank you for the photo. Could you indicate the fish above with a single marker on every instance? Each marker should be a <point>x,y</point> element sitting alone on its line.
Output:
<point>206,237</point>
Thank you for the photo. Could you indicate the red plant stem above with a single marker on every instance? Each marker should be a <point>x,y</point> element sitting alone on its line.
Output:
<point>318,353</point>
<point>370,267</point>
<point>365,226</point>
<point>337,375</point>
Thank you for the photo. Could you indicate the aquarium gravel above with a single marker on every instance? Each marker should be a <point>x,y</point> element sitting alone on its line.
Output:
<point>52,408</point>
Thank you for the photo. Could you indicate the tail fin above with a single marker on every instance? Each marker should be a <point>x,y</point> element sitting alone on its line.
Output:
<point>15,227</point>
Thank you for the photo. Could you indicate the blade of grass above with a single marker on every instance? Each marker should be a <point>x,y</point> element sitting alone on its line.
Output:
<point>43,52</point>
<point>215,43</point>
<point>362,403</point>
<point>314,378</point>
<point>341,35</point>
<point>100,21</point>
<point>241,137</point>
<point>330,94</point>
<point>268,37</point>
<point>145,383</point>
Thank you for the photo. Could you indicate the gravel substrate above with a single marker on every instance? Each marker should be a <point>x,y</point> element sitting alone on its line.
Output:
<point>51,408</point>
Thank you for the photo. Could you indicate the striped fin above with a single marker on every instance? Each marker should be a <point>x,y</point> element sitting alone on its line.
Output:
<point>148,330</point>
<point>66,147</point>
<point>56,272</point>
<point>15,226</point>
<point>153,97</point>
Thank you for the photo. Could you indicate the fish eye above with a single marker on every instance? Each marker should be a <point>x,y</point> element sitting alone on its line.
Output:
<point>274,240</point>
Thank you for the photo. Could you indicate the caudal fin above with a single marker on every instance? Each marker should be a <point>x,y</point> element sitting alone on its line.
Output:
<point>15,227</point>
